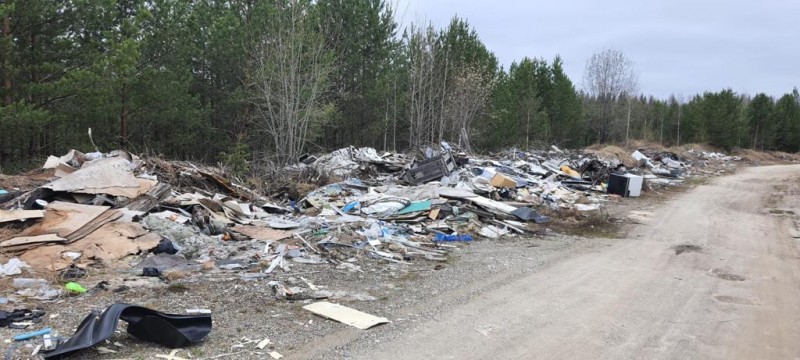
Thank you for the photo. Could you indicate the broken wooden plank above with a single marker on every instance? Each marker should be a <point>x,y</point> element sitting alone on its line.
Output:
<point>224,184</point>
<point>345,315</point>
<point>14,215</point>
<point>147,201</point>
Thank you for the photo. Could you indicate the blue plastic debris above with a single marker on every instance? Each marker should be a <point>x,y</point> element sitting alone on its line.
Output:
<point>415,207</point>
<point>350,206</point>
<point>444,237</point>
<point>31,335</point>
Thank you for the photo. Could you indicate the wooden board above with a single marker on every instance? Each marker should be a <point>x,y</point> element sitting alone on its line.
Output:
<point>14,215</point>
<point>345,315</point>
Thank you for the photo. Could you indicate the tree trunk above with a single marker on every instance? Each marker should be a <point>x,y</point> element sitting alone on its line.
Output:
<point>679,124</point>
<point>7,62</point>
<point>527,130</point>
<point>628,124</point>
<point>755,138</point>
<point>123,119</point>
<point>34,71</point>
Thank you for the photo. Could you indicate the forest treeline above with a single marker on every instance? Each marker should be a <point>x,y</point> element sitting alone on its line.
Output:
<point>246,81</point>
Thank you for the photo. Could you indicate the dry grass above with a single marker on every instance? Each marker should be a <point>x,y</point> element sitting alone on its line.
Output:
<point>641,144</point>
<point>9,231</point>
<point>695,147</point>
<point>766,157</point>
<point>295,183</point>
<point>683,150</point>
<point>24,182</point>
<point>594,224</point>
<point>611,151</point>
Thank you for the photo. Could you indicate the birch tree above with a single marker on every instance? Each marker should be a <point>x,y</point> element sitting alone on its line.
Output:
<point>609,74</point>
<point>289,78</point>
<point>424,86</point>
<point>466,98</point>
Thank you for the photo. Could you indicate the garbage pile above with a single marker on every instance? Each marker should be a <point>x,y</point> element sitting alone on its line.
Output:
<point>164,216</point>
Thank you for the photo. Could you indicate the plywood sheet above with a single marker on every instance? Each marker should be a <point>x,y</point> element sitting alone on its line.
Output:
<point>65,218</point>
<point>115,240</point>
<point>112,176</point>
<point>104,218</point>
<point>31,240</point>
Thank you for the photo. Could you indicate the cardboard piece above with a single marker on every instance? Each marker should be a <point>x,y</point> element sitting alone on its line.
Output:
<point>64,170</point>
<point>47,257</point>
<point>110,242</point>
<point>104,218</point>
<point>52,162</point>
<point>115,240</point>
<point>501,181</point>
<point>345,315</point>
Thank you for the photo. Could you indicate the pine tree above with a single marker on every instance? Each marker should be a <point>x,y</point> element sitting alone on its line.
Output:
<point>786,119</point>
<point>761,131</point>
<point>564,109</point>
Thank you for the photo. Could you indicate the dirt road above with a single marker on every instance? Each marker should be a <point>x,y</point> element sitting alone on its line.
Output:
<point>736,295</point>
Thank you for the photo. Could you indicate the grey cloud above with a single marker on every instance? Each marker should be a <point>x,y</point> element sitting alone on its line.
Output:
<point>679,46</point>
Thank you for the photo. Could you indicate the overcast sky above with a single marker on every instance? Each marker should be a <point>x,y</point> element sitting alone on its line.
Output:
<point>678,46</point>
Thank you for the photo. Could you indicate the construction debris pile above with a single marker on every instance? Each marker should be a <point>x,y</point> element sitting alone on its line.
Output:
<point>154,221</point>
<point>151,216</point>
